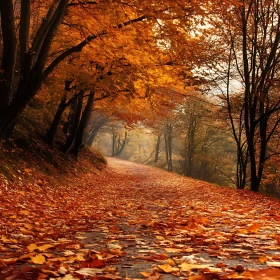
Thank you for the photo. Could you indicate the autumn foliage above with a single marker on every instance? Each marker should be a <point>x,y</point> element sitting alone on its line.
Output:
<point>136,222</point>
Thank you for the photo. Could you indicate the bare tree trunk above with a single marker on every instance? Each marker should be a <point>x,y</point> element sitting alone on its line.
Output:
<point>71,138</point>
<point>121,144</point>
<point>83,124</point>
<point>53,128</point>
<point>9,55</point>
<point>168,145</point>
<point>14,104</point>
<point>157,148</point>
<point>95,131</point>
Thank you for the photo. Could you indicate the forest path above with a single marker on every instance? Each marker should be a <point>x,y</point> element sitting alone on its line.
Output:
<point>133,221</point>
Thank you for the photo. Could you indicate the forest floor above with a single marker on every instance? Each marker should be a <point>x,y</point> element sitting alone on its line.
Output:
<point>132,221</point>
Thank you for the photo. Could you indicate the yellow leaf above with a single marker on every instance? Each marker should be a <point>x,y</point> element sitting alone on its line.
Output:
<point>5,239</point>
<point>24,212</point>
<point>32,247</point>
<point>80,258</point>
<point>158,237</point>
<point>173,250</point>
<point>99,257</point>
<point>167,268</point>
<point>262,259</point>
<point>28,226</point>
<point>38,259</point>
<point>45,247</point>
<point>171,262</point>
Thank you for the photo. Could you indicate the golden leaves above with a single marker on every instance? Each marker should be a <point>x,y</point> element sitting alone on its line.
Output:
<point>167,268</point>
<point>34,247</point>
<point>38,259</point>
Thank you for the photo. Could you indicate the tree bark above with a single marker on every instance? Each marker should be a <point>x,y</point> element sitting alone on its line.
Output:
<point>31,82</point>
<point>121,145</point>
<point>83,124</point>
<point>8,56</point>
<point>157,148</point>
<point>95,131</point>
<point>168,145</point>
<point>24,27</point>
<point>71,138</point>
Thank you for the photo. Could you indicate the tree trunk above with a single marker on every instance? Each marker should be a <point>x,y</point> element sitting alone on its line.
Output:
<point>13,104</point>
<point>71,138</point>
<point>168,146</point>
<point>82,126</point>
<point>114,138</point>
<point>157,148</point>
<point>190,144</point>
<point>8,56</point>
<point>95,130</point>
<point>121,145</point>
<point>57,118</point>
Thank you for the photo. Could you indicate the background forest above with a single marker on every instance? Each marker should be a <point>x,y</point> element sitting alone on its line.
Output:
<point>189,86</point>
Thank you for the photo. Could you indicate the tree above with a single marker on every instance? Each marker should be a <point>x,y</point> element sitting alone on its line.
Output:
<point>250,61</point>
<point>168,139</point>
<point>17,91</point>
<point>69,27</point>
<point>19,82</point>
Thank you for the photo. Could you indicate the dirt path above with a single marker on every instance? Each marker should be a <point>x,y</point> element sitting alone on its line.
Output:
<point>133,221</point>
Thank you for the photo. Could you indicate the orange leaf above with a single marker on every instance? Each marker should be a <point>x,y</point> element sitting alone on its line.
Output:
<point>146,274</point>
<point>262,259</point>
<point>38,259</point>
<point>167,268</point>
<point>32,247</point>
<point>45,247</point>
<point>254,228</point>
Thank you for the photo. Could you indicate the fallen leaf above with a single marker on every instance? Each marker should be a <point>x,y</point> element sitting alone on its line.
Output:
<point>167,268</point>
<point>45,247</point>
<point>262,259</point>
<point>146,274</point>
<point>254,228</point>
<point>32,247</point>
<point>88,271</point>
<point>38,259</point>
<point>173,250</point>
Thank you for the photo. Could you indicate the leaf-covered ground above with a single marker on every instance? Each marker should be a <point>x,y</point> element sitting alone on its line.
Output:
<point>132,221</point>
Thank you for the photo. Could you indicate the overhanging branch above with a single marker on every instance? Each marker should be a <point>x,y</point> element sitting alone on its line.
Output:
<point>79,47</point>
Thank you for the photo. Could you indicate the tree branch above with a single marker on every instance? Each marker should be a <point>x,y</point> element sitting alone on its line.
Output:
<point>79,47</point>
